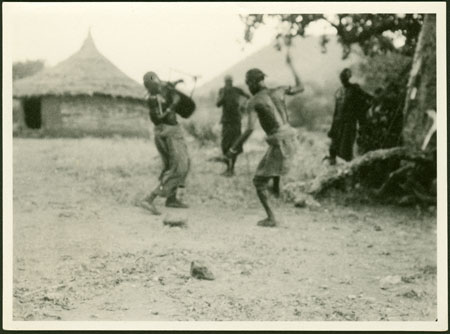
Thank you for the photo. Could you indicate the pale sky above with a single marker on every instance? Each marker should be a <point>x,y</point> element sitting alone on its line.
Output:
<point>138,37</point>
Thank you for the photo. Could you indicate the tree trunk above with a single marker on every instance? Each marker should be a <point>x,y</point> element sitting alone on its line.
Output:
<point>421,90</point>
<point>363,168</point>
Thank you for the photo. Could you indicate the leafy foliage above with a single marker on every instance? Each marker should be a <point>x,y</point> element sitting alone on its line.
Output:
<point>387,74</point>
<point>27,68</point>
<point>374,33</point>
<point>389,70</point>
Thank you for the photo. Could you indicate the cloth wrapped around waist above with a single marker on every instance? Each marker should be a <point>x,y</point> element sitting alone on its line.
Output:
<point>278,158</point>
<point>284,134</point>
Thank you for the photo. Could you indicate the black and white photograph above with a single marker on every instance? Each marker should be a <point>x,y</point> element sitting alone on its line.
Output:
<point>229,165</point>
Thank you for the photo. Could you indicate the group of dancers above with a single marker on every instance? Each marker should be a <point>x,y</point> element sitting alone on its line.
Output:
<point>266,105</point>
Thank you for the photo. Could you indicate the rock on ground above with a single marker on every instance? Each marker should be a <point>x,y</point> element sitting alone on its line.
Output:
<point>201,271</point>
<point>175,221</point>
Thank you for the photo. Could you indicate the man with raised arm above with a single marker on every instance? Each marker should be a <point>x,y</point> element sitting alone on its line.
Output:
<point>229,98</point>
<point>268,105</point>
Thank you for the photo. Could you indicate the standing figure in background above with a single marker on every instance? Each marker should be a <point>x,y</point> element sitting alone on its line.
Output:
<point>351,105</point>
<point>268,105</point>
<point>229,99</point>
<point>162,101</point>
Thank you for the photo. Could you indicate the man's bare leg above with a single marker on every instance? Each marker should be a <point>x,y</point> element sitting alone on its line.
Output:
<point>261,190</point>
<point>229,172</point>
<point>233,162</point>
<point>276,186</point>
<point>173,202</point>
<point>148,204</point>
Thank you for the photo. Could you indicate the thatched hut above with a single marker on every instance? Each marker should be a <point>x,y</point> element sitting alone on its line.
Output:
<point>84,94</point>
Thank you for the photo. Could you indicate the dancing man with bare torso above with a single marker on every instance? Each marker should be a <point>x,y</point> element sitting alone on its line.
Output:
<point>269,107</point>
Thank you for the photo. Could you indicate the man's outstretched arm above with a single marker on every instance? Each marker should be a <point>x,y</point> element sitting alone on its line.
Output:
<point>244,94</point>
<point>298,88</point>
<point>219,102</point>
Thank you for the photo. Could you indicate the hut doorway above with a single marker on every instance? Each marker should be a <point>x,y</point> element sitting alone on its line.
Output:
<point>32,112</point>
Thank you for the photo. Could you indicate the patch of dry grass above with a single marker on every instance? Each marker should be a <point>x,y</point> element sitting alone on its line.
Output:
<point>126,169</point>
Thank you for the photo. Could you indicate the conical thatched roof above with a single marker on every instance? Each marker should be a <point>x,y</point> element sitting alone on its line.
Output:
<point>87,72</point>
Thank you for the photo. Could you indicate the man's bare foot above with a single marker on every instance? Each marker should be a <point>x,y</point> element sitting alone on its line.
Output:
<point>150,207</point>
<point>267,223</point>
<point>228,173</point>
<point>175,203</point>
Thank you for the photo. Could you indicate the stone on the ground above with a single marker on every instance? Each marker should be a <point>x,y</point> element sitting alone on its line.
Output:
<point>389,281</point>
<point>201,271</point>
<point>312,203</point>
<point>175,221</point>
<point>303,200</point>
<point>407,292</point>
<point>300,203</point>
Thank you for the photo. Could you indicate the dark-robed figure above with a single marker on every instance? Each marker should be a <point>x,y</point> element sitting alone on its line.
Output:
<point>350,108</point>
<point>229,99</point>
<point>163,102</point>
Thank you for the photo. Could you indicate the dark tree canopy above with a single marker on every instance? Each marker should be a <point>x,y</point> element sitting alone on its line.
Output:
<point>27,68</point>
<point>374,33</point>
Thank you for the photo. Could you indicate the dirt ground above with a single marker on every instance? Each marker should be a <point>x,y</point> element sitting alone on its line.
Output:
<point>84,251</point>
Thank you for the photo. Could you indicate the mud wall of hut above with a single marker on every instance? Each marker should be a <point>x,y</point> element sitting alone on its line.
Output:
<point>51,116</point>
<point>95,115</point>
